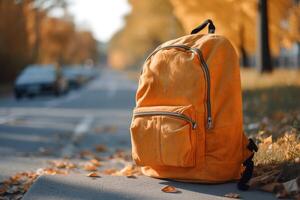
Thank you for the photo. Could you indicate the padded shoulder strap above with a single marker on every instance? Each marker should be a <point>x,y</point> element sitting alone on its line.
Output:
<point>249,166</point>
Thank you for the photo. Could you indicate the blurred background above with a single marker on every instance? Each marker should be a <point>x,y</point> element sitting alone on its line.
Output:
<point>70,32</point>
<point>69,71</point>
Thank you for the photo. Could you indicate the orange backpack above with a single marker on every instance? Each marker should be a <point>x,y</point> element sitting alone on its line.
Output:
<point>187,124</point>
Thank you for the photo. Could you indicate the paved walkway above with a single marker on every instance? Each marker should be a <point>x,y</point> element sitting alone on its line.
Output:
<point>61,187</point>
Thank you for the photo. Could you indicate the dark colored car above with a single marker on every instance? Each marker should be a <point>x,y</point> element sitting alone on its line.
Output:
<point>40,79</point>
<point>74,76</point>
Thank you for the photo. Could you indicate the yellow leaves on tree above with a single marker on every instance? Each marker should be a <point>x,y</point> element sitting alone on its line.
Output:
<point>237,19</point>
<point>153,22</point>
<point>60,42</point>
<point>149,24</point>
<point>29,35</point>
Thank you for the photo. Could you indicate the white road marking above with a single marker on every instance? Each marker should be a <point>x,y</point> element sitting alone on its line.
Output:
<point>7,119</point>
<point>80,130</point>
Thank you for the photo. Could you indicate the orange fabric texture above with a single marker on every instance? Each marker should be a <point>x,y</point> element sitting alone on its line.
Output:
<point>170,134</point>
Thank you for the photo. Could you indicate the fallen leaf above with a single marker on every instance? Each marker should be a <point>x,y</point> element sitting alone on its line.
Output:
<point>270,187</point>
<point>110,171</point>
<point>17,197</point>
<point>90,167</point>
<point>62,164</point>
<point>93,174</point>
<point>268,140</point>
<point>129,170</point>
<point>95,162</point>
<point>232,195</point>
<point>3,190</point>
<point>169,189</point>
<point>292,185</point>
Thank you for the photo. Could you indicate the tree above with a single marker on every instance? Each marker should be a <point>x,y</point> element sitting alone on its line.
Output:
<point>263,58</point>
<point>41,7</point>
<point>235,19</point>
<point>13,40</point>
<point>149,24</point>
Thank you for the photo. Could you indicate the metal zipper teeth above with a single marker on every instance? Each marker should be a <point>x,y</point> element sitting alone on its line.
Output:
<point>206,73</point>
<point>172,114</point>
<point>208,101</point>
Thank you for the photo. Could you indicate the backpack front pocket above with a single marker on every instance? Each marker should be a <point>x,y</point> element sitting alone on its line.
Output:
<point>164,136</point>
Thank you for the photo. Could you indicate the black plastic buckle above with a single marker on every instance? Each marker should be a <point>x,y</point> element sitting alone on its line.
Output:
<point>252,146</point>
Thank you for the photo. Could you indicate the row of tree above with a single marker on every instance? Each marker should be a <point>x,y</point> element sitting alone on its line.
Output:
<point>29,35</point>
<point>237,20</point>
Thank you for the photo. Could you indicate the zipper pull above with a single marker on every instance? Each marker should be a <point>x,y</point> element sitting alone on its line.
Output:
<point>194,125</point>
<point>209,123</point>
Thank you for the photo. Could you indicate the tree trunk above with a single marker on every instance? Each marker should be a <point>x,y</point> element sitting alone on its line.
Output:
<point>36,47</point>
<point>298,55</point>
<point>244,55</point>
<point>263,58</point>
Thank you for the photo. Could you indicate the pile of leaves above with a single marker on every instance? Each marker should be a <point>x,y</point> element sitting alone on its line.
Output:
<point>278,165</point>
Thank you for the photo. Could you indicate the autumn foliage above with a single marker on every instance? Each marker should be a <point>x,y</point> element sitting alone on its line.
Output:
<point>29,35</point>
<point>149,24</point>
<point>235,19</point>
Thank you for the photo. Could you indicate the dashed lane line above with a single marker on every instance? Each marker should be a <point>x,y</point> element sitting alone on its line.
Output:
<point>80,130</point>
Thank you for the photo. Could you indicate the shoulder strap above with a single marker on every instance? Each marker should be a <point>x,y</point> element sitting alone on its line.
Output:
<point>249,166</point>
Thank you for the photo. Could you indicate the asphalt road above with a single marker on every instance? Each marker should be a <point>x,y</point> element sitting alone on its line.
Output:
<point>32,131</point>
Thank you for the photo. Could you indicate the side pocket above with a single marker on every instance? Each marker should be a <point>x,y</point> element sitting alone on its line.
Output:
<point>162,136</point>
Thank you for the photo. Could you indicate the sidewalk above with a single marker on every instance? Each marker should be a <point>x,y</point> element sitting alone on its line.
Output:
<point>60,187</point>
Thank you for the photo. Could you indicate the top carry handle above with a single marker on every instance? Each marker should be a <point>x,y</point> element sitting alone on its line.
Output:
<point>211,27</point>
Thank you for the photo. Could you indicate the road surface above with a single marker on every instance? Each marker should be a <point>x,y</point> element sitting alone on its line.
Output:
<point>32,131</point>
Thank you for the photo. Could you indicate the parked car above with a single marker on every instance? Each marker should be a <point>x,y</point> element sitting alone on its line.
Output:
<point>90,72</point>
<point>40,79</point>
<point>74,76</point>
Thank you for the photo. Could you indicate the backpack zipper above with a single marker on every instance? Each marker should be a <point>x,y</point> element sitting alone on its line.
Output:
<point>172,114</point>
<point>206,74</point>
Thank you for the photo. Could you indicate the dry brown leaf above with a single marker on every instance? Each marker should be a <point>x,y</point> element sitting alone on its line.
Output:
<point>268,140</point>
<point>3,190</point>
<point>292,185</point>
<point>129,170</point>
<point>111,171</point>
<point>232,195</point>
<point>93,174</point>
<point>62,164</point>
<point>270,187</point>
<point>169,189</point>
<point>265,178</point>
<point>17,197</point>
<point>90,167</point>
<point>15,186</point>
<point>100,148</point>
<point>95,162</point>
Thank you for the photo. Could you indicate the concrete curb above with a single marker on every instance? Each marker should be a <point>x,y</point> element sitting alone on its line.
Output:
<point>60,187</point>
